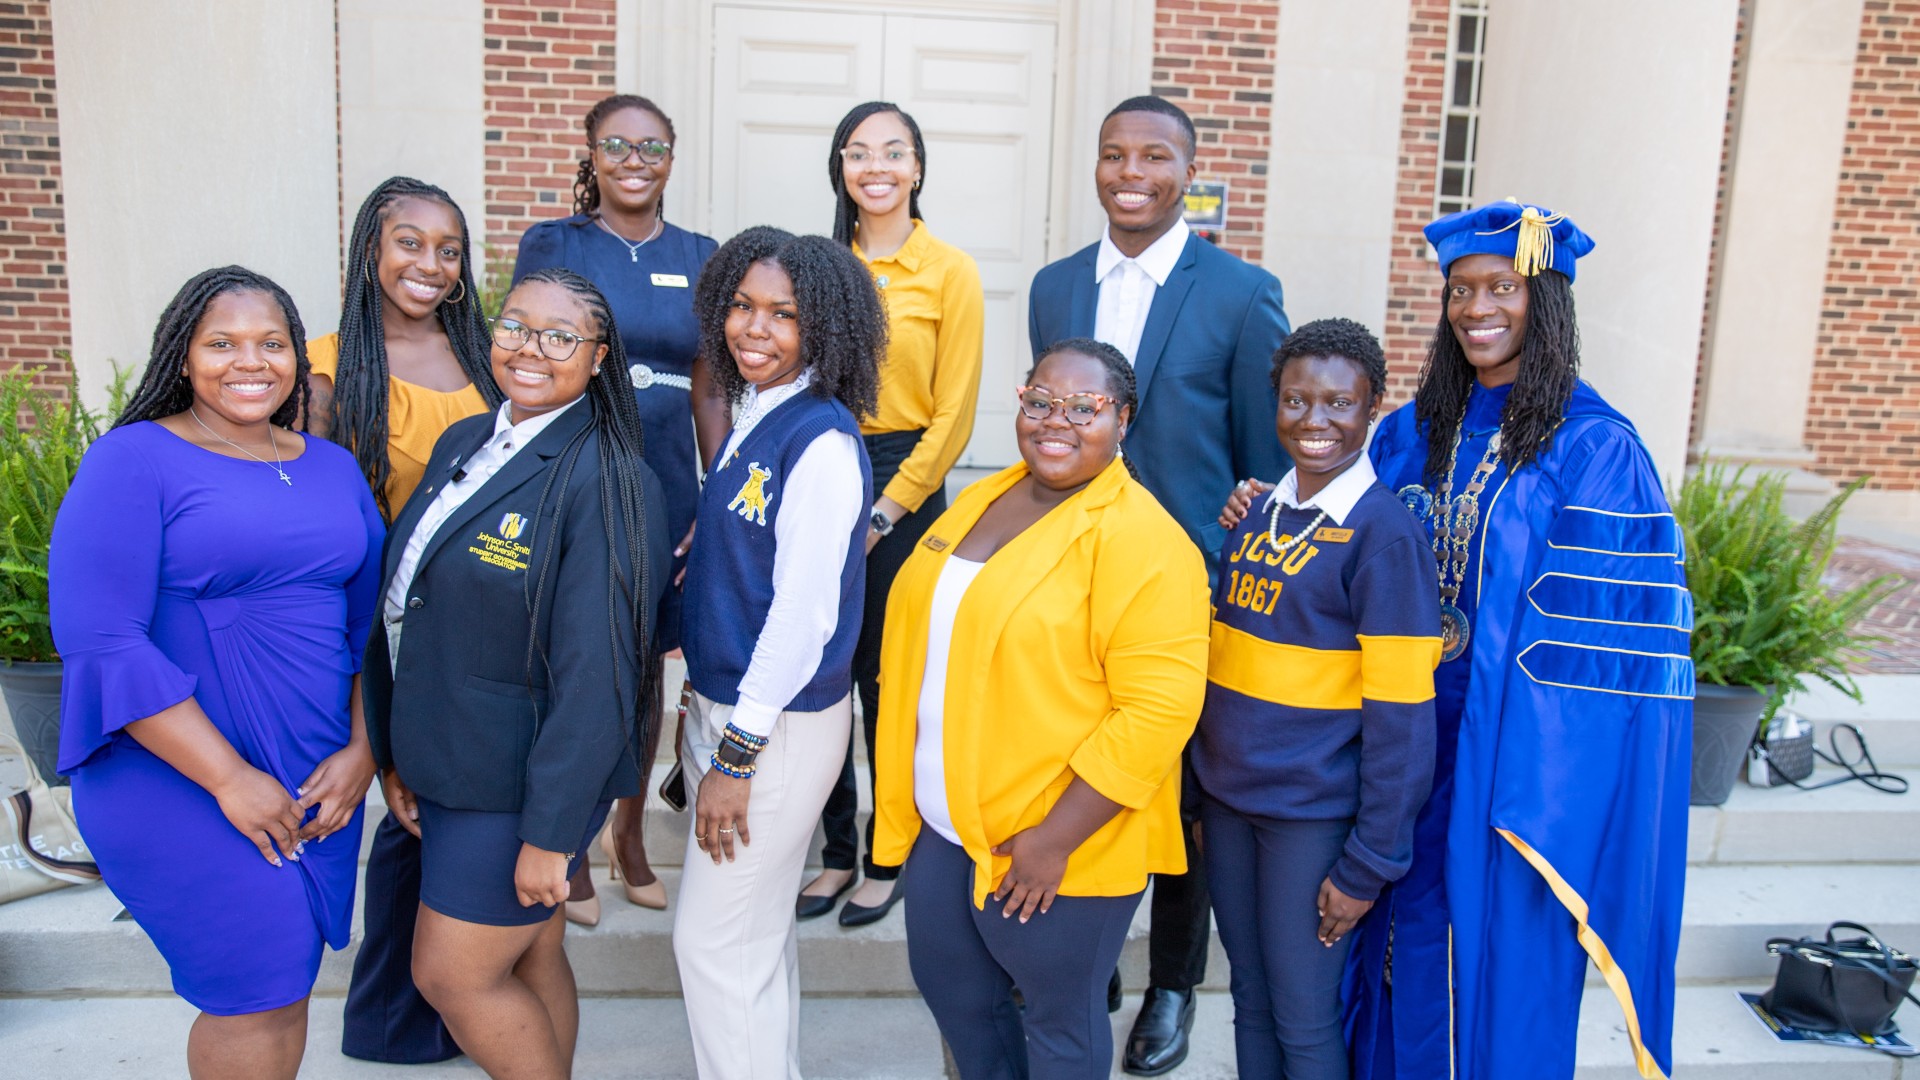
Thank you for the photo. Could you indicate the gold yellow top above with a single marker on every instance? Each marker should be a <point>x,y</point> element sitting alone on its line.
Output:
<point>416,416</point>
<point>936,316</point>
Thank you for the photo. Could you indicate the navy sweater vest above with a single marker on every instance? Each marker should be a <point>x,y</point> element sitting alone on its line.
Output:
<point>729,584</point>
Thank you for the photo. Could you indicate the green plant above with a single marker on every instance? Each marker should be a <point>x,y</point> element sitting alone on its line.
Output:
<point>1761,617</point>
<point>495,280</point>
<point>43,435</point>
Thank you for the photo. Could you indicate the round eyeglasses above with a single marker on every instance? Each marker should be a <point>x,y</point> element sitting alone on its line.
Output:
<point>1080,409</point>
<point>512,335</point>
<point>618,150</point>
<point>860,155</point>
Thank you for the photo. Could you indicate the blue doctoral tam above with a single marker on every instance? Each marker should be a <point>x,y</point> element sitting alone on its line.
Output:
<point>1534,237</point>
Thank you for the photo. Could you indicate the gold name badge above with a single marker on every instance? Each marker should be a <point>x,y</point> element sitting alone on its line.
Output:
<point>1334,536</point>
<point>934,543</point>
<point>672,281</point>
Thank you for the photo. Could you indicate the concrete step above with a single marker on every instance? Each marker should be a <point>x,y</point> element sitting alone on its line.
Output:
<point>1888,715</point>
<point>644,1038</point>
<point>1731,911</point>
<point>1849,823</point>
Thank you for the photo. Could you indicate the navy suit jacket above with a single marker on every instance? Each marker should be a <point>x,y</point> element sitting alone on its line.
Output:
<point>1207,404</point>
<point>491,709</point>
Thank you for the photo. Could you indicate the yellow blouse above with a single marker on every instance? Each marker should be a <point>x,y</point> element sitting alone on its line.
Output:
<point>1079,650</point>
<point>416,416</point>
<point>936,316</point>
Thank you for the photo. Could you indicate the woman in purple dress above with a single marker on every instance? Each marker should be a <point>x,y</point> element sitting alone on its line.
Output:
<point>213,578</point>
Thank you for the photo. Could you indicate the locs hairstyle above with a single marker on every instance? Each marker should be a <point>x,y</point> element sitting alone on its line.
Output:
<point>1149,103</point>
<point>845,213</point>
<point>1549,368</point>
<point>616,432</point>
<point>1120,381</point>
<point>586,185</point>
<point>164,387</point>
<point>843,329</point>
<point>1343,338</point>
<point>361,387</point>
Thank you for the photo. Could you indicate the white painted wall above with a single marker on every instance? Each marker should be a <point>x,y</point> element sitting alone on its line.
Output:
<point>1613,114</point>
<point>193,134</point>
<point>412,101</point>
<point>1339,80</point>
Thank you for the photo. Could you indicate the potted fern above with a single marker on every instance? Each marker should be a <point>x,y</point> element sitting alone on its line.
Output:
<point>43,435</point>
<point>1763,623</point>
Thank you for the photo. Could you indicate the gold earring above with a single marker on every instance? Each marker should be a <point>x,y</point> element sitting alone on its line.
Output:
<point>462,296</point>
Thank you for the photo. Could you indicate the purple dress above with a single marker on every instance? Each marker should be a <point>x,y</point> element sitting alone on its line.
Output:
<point>176,572</point>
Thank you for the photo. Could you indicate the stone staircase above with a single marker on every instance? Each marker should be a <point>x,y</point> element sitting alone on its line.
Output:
<point>84,995</point>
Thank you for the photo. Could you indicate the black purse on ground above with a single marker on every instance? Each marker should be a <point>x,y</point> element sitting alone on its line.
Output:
<point>1773,761</point>
<point>1853,985</point>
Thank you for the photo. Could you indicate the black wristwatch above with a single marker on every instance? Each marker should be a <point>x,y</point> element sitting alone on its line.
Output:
<point>880,522</point>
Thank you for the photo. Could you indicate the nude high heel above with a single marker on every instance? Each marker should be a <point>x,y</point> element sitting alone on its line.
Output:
<point>651,895</point>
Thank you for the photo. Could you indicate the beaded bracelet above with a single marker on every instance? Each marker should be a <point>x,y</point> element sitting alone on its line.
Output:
<point>746,741</point>
<point>744,772</point>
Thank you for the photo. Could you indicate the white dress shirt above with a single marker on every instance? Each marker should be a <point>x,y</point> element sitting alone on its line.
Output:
<point>930,733</point>
<point>1338,498</point>
<point>508,439</point>
<point>823,500</point>
<point>1128,286</point>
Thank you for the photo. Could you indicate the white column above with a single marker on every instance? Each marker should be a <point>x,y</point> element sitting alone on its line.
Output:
<point>1106,57</point>
<point>412,101</point>
<point>1782,174</point>
<point>1613,113</point>
<point>1339,77</point>
<point>193,134</point>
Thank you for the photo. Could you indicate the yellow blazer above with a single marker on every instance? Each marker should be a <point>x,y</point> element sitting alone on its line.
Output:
<point>1079,650</point>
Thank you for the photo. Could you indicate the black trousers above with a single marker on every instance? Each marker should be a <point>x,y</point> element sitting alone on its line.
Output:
<point>386,1018</point>
<point>885,451</point>
<point>1180,929</point>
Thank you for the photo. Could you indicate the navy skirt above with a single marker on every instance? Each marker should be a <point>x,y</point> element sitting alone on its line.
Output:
<point>467,859</point>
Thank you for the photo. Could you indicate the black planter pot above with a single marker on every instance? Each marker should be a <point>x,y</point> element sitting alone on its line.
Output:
<point>1724,720</point>
<point>33,700</point>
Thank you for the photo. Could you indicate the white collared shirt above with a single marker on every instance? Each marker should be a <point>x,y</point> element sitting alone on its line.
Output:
<point>1128,286</point>
<point>508,439</point>
<point>1338,498</point>
<point>814,529</point>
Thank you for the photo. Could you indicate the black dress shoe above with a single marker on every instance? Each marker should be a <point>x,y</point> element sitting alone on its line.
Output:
<point>806,906</point>
<point>1158,1042</point>
<point>853,914</point>
<point>1113,993</point>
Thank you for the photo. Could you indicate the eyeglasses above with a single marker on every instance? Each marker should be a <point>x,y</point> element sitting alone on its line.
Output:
<point>554,344</point>
<point>618,150</point>
<point>860,155</point>
<point>1080,409</point>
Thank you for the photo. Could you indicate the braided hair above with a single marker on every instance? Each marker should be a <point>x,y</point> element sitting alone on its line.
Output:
<point>1549,369</point>
<point>843,329</point>
<point>625,515</point>
<point>846,214</point>
<point>362,382</point>
<point>165,389</point>
<point>1343,338</point>
<point>586,183</point>
<point>1120,381</point>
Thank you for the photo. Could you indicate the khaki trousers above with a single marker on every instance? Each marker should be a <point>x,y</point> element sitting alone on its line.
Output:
<point>734,936</point>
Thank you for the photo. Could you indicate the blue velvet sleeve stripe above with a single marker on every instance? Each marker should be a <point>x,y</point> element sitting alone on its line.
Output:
<point>1663,605</point>
<point>1611,532</point>
<point>1609,671</point>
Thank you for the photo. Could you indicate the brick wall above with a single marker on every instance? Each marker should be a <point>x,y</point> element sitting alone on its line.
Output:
<point>547,62</point>
<point>1413,282</point>
<point>1864,413</point>
<point>1214,58</point>
<point>1719,219</point>
<point>33,246</point>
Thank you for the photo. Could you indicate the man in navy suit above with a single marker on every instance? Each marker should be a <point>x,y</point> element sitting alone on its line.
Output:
<point>1201,327</point>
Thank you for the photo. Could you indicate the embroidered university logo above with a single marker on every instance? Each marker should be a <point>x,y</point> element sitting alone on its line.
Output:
<point>511,526</point>
<point>751,502</point>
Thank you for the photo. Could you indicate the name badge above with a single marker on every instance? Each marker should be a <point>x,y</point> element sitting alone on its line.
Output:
<point>1334,536</point>
<point>934,543</point>
<point>671,281</point>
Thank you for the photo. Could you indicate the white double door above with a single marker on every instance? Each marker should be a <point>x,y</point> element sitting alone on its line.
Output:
<point>982,91</point>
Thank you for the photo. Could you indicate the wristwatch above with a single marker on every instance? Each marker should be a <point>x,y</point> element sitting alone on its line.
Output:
<point>880,522</point>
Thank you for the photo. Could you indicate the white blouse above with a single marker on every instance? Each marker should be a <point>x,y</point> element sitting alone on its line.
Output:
<point>929,740</point>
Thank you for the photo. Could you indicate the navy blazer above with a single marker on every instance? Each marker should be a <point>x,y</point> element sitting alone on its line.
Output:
<point>1207,404</point>
<point>490,709</point>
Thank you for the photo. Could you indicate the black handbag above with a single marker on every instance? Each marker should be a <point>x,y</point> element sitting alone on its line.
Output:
<point>1853,985</point>
<point>1772,762</point>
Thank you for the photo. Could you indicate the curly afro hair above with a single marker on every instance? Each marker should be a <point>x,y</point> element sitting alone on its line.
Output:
<point>1343,338</point>
<point>843,328</point>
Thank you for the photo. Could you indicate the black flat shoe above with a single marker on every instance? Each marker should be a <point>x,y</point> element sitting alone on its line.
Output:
<point>1113,993</point>
<point>852,914</point>
<point>1158,1042</point>
<point>806,906</point>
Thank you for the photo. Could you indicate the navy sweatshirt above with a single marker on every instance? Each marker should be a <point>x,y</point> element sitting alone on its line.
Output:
<point>1320,680</point>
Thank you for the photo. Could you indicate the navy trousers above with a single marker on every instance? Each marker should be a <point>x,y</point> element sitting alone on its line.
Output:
<point>1265,878</point>
<point>386,1018</point>
<point>967,963</point>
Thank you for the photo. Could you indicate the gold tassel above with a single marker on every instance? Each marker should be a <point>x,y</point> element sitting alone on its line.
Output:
<point>1533,248</point>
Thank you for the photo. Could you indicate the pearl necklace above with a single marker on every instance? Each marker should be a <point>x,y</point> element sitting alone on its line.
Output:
<point>633,249</point>
<point>276,465</point>
<point>1273,530</point>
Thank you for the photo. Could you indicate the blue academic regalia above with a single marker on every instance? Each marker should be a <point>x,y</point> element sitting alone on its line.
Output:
<point>1557,829</point>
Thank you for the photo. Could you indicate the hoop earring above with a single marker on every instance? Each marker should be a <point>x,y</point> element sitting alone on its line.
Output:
<point>366,269</point>
<point>462,296</point>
